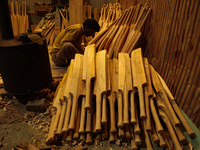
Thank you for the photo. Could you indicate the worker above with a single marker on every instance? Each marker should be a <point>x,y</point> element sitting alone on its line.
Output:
<point>69,41</point>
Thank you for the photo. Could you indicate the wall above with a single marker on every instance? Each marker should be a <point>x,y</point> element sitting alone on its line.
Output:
<point>35,18</point>
<point>171,43</point>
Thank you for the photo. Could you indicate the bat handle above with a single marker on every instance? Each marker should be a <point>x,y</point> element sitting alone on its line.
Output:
<point>121,133</point>
<point>104,110</point>
<point>173,135</point>
<point>148,121</point>
<point>132,103</point>
<point>60,125</point>
<point>112,117</point>
<point>98,113</point>
<point>73,113</point>
<point>159,127</point>
<point>82,121</point>
<point>126,108</point>
<point>88,96</point>
<point>120,112</point>
<point>138,140</point>
<point>67,116</point>
<point>184,122</point>
<point>89,121</point>
<point>142,105</point>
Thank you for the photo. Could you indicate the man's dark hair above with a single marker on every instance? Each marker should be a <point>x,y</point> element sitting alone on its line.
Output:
<point>92,24</point>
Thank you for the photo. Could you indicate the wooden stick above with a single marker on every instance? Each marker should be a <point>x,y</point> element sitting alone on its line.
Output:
<point>13,19</point>
<point>56,113</point>
<point>69,137</point>
<point>146,135</point>
<point>176,108</point>
<point>88,122</point>
<point>68,98</point>
<point>138,140</point>
<point>125,82</point>
<point>148,92</point>
<point>76,88</point>
<point>120,111</point>
<point>78,117</point>
<point>139,77</point>
<point>127,132</point>
<point>121,133</point>
<point>112,95</point>
<point>64,103</point>
<point>137,126</point>
<point>105,131</point>
<point>89,140</point>
<point>162,142</point>
<point>133,107</point>
<point>154,135</point>
<point>163,97</point>
<point>82,120</point>
<point>170,129</point>
<point>64,20</point>
<point>82,137</point>
<point>159,127</point>
<point>88,72</point>
<point>133,144</point>
<point>100,88</point>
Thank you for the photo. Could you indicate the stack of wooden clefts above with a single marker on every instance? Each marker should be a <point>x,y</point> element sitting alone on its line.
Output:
<point>122,34</point>
<point>120,99</point>
<point>19,18</point>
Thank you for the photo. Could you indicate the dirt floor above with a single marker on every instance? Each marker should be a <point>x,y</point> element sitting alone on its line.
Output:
<point>19,127</point>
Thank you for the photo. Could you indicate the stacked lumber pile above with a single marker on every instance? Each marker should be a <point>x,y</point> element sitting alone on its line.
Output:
<point>52,24</point>
<point>124,33</point>
<point>131,103</point>
<point>109,13</point>
<point>19,18</point>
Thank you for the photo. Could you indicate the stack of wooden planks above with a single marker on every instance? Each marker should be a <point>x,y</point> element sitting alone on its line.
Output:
<point>19,18</point>
<point>131,103</point>
<point>109,13</point>
<point>52,24</point>
<point>124,33</point>
<point>55,22</point>
<point>172,46</point>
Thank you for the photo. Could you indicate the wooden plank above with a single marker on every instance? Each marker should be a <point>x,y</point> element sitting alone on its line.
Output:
<point>13,19</point>
<point>139,77</point>
<point>125,83</point>
<point>89,72</point>
<point>76,88</point>
<point>100,86</point>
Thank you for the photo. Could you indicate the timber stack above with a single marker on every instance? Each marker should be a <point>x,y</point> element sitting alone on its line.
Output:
<point>55,22</point>
<point>121,99</point>
<point>19,18</point>
<point>123,34</point>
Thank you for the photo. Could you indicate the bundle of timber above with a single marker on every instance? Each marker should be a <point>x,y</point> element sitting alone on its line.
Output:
<point>52,24</point>
<point>19,18</point>
<point>152,113</point>
<point>109,13</point>
<point>124,33</point>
